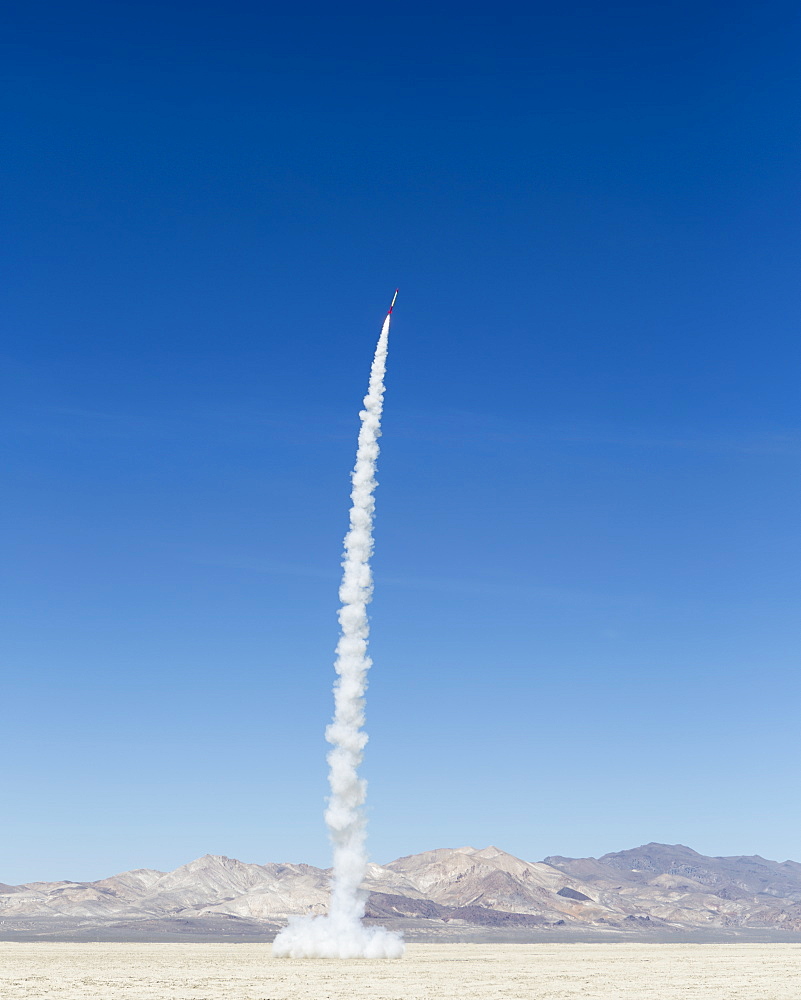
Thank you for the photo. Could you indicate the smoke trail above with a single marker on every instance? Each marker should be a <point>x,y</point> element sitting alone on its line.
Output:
<point>341,934</point>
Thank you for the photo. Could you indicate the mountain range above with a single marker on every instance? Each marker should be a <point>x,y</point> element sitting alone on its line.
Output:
<point>445,894</point>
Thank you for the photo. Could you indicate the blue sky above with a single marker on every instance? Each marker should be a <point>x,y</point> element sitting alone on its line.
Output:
<point>586,618</point>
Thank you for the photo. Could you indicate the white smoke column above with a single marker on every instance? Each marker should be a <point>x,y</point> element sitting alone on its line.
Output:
<point>341,934</point>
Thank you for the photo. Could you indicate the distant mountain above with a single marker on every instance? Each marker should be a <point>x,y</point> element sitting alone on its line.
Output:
<point>446,893</point>
<point>730,878</point>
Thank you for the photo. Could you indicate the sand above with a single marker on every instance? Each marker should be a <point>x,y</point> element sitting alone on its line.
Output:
<point>50,971</point>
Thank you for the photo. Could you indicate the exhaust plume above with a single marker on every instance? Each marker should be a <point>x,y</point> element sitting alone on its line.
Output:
<point>341,933</point>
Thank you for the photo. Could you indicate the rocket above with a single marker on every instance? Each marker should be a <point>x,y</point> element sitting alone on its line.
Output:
<point>392,304</point>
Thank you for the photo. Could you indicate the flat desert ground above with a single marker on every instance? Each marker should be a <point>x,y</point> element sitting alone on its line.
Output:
<point>58,971</point>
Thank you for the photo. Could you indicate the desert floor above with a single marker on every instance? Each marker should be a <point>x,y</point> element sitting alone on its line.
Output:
<point>49,971</point>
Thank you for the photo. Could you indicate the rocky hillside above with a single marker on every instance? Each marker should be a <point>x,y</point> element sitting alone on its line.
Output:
<point>442,893</point>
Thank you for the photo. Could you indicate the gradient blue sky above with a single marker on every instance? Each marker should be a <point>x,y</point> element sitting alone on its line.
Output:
<point>586,625</point>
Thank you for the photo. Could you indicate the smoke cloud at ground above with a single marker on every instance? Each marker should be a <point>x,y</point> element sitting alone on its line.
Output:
<point>341,933</point>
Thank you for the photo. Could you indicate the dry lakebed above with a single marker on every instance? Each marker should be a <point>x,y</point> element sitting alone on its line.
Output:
<point>139,971</point>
